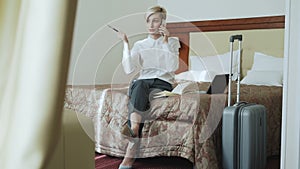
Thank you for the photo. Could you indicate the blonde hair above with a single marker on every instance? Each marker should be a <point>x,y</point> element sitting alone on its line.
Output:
<point>156,9</point>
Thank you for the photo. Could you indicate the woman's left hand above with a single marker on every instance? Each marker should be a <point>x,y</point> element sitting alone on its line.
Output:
<point>164,31</point>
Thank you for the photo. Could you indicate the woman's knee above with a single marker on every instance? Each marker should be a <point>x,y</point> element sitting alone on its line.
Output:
<point>139,90</point>
<point>139,84</point>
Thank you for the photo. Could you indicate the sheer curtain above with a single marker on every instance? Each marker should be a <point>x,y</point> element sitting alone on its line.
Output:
<point>35,43</point>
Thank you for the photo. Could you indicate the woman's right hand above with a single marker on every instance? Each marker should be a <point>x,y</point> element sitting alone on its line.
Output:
<point>123,36</point>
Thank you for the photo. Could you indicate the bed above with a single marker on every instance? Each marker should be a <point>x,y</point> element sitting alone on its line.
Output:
<point>187,125</point>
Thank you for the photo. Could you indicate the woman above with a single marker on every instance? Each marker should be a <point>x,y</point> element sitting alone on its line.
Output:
<point>157,57</point>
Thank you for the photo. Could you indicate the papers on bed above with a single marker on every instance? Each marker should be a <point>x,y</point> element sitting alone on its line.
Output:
<point>181,88</point>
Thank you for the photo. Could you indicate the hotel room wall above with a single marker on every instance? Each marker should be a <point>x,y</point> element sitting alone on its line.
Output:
<point>95,45</point>
<point>97,52</point>
<point>218,9</point>
<point>269,41</point>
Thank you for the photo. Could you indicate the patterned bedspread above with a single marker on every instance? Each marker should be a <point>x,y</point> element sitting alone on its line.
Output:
<point>187,126</point>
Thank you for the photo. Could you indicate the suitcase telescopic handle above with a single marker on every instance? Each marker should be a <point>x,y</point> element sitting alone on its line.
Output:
<point>232,39</point>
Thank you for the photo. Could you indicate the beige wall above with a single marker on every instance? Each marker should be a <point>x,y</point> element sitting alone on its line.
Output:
<point>194,10</point>
<point>268,41</point>
<point>97,52</point>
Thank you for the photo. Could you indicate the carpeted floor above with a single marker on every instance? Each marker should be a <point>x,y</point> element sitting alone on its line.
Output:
<point>108,162</point>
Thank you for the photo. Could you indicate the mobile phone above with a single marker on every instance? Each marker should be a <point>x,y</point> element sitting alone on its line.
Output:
<point>163,22</point>
<point>113,28</point>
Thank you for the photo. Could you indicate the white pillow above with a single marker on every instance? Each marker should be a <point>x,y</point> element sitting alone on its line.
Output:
<point>266,78</point>
<point>206,76</point>
<point>198,76</point>
<point>225,61</point>
<point>267,63</point>
<point>185,76</point>
<point>196,63</point>
<point>218,64</point>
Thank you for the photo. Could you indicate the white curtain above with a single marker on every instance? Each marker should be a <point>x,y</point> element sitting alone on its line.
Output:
<point>35,43</point>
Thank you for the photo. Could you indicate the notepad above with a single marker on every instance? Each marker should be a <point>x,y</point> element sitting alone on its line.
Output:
<point>180,89</point>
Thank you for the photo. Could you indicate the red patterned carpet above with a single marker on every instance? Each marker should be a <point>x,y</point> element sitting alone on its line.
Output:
<point>108,162</point>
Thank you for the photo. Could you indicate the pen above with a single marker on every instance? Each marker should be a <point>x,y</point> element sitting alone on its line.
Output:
<point>113,28</point>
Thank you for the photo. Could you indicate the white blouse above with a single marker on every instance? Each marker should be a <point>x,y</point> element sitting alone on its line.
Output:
<point>154,58</point>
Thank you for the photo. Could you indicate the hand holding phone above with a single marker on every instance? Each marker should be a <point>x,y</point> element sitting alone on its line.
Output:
<point>163,29</point>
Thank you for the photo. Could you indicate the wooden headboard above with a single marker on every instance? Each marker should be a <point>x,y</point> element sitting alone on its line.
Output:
<point>182,30</point>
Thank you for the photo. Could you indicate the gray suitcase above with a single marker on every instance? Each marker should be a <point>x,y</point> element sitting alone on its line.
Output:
<point>243,129</point>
